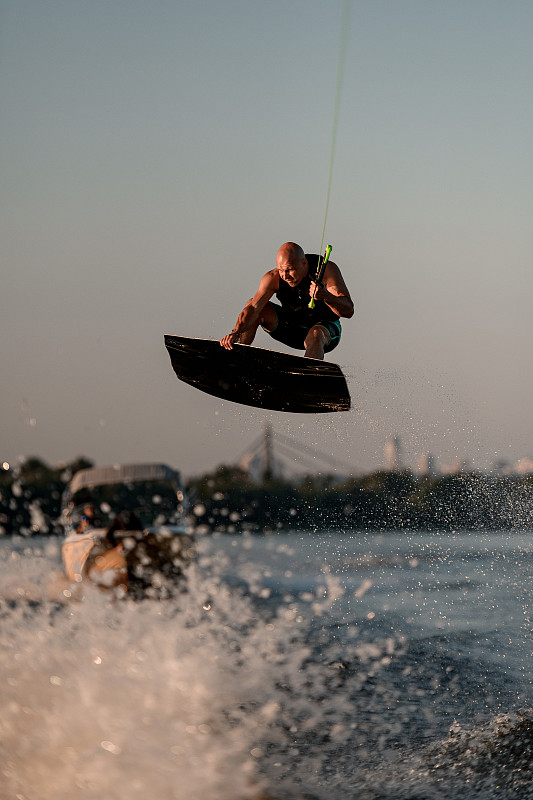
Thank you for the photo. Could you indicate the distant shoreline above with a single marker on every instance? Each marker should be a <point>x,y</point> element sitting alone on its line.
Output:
<point>227,501</point>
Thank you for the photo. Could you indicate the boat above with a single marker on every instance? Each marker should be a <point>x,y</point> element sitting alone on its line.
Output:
<point>125,529</point>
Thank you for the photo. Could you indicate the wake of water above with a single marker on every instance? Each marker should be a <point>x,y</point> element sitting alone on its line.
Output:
<point>238,689</point>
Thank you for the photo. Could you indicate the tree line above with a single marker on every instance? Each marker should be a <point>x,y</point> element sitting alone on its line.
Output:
<point>227,500</point>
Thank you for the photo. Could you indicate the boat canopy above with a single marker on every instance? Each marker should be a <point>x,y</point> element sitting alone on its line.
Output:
<point>121,473</point>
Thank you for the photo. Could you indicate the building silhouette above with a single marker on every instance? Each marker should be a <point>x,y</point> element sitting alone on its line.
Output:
<point>393,454</point>
<point>427,465</point>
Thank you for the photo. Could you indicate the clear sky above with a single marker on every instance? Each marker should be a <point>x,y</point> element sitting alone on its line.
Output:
<point>154,156</point>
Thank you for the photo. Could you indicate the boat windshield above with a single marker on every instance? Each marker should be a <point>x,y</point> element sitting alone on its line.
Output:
<point>148,502</point>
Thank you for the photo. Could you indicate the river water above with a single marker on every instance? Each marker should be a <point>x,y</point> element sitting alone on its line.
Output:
<point>293,665</point>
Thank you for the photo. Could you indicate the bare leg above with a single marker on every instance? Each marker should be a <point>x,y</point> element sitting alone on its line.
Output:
<point>315,342</point>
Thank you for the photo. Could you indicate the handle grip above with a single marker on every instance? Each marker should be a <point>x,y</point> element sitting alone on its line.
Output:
<point>320,273</point>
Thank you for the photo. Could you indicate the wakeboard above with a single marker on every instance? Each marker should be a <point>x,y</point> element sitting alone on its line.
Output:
<point>257,377</point>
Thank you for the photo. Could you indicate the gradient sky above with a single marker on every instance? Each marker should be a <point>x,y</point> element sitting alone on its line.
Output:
<point>154,157</point>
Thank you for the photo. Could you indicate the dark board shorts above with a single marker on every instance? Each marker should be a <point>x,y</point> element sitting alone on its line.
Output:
<point>293,334</point>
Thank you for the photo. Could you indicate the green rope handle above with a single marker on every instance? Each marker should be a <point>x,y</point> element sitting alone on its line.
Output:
<point>320,274</point>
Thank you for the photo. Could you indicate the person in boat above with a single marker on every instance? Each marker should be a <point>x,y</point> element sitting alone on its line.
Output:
<point>107,564</point>
<point>292,322</point>
<point>87,519</point>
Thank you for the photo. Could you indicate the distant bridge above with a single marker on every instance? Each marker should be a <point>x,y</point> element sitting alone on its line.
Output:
<point>277,455</point>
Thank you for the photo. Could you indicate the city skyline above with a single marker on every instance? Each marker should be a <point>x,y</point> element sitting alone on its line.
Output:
<point>263,455</point>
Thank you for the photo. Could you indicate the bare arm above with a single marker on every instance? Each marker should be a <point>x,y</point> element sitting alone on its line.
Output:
<point>334,292</point>
<point>251,313</point>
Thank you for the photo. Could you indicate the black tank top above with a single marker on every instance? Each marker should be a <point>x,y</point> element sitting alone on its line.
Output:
<point>296,298</point>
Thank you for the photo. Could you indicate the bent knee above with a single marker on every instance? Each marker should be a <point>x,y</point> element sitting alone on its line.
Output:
<point>317,334</point>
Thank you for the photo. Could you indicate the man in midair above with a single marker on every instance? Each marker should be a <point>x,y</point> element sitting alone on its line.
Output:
<point>292,322</point>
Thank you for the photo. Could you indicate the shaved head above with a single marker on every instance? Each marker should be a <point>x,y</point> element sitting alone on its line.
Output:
<point>291,263</point>
<point>291,251</point>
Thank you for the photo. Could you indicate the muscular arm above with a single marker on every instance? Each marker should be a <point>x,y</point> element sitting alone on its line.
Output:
<point>251,313</point>
<point>334,292</point>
